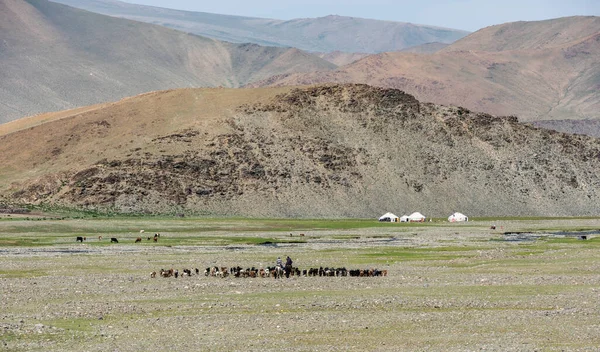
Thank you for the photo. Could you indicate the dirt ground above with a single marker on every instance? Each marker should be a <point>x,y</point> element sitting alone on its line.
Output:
<point>457,287</point>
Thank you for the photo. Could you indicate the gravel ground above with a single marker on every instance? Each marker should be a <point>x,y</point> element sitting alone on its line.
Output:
<point>497,294</point>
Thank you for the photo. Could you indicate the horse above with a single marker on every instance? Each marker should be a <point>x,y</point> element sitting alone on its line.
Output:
<point>288,270</point>
<point>277,272</point>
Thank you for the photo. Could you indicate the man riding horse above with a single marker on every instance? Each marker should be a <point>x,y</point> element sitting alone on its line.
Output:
<point>288,267</point>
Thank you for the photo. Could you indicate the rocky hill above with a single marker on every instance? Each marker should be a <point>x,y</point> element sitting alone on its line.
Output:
<point>323,34</point>
<point>548,72</point>
<point>54,57</point>
<point>323,151</point>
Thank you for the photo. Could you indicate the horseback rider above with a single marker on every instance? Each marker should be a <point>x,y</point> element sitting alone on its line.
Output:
<point>279,262</point>
<point>288,266</point>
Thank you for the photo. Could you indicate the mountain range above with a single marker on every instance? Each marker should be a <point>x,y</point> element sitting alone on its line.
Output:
<point>323,34</point>
<point>546,70</point>
<point>55,57</point>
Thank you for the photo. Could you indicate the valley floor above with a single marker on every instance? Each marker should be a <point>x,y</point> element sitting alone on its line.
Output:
<point>527,285</point>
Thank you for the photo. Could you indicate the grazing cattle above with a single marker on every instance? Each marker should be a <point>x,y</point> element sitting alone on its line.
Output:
<point>187,272</point>
<point>153,274</point>
<point>79,239</point>
<point>197,271</point>
<point>114,240</point>
<point>99,238</point>
<point>301,235</point>
<point>155,237</point>
<point>139,239</point>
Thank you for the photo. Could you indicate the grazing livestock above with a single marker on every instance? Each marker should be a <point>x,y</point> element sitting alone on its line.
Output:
<point>114,240</point>
<point>79,239</point>
<point>276,272</point>
<point>139,239</point>
<point>167,273</point>
<point>153,274</point>
<point>99,238</point>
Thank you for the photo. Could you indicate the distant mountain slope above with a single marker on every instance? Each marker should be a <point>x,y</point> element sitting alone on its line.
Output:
<point>427,48</point>
<point>324,34</point>
<point>54,57</point>
<point>551,83</point>
<point>587,127</point>
<point>326,151</point>
<point>558,32</point>
<point>340,58</point>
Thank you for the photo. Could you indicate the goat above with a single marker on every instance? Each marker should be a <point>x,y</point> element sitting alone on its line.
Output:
<point>114,240</point>
<point>79,239</point>
<point>166,273</point>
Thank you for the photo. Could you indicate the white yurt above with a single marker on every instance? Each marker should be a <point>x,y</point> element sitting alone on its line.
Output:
<point>416,217</point>
<point>457,217</point>
<point>404,218</point>
<point>388,217</point>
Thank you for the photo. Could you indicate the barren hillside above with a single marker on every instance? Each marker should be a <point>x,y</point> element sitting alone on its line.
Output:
<point>427,48</point>
<point>528,35</point>
<point>325,151</point>
<point>323,34</point>
<point>340,58</point>
<point>54,57</point>
<point>553,82</point>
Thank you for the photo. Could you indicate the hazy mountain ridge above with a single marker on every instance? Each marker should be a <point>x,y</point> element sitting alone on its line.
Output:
<point>56,57</point>
<point>326,151</point>
<point>321,34</point>
<point>558,80</point>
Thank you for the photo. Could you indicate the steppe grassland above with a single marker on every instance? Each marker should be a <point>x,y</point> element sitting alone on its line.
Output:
<point>449,287</point>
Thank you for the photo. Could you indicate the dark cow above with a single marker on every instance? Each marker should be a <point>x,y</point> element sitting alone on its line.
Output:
<point>139,239</point>
<point>79,239</point>
<point>114,240</point>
